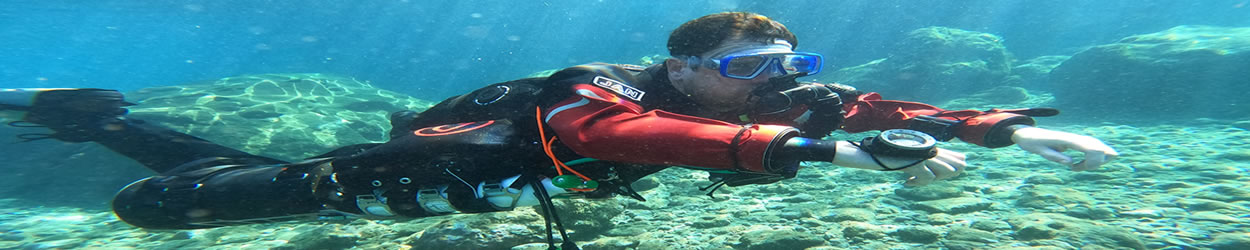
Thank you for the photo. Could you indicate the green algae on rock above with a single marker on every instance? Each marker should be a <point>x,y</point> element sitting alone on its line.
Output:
<point>289,116</point>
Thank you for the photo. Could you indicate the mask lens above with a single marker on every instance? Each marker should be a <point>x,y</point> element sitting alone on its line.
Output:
<point>795,63</point>
<point>743,66</point>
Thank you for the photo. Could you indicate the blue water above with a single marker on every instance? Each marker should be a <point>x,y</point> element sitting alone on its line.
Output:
<point>435,49</point>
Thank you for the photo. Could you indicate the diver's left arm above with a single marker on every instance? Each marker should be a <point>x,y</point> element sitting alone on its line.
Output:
<point>993,129</point>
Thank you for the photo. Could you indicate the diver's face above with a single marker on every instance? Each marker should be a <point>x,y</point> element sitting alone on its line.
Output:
<point>710,89</point>
<point>719,93</point>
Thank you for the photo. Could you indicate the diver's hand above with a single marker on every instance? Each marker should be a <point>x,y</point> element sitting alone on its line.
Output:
<point>945,165</point>
<point>1050,144</point>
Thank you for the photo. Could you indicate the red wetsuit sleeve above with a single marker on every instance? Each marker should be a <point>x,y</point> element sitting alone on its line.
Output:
<point>599,124</point>
<point>989,129</point>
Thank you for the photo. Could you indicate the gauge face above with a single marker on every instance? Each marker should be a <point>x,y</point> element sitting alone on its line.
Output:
<point>908,139</point>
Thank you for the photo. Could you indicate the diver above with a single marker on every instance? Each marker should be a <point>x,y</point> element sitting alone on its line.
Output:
<point>728,101</point>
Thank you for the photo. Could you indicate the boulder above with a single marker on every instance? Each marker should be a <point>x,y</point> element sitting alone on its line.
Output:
<point>1044,227</point>
<point>1182,72</point>
<point>933,65</point>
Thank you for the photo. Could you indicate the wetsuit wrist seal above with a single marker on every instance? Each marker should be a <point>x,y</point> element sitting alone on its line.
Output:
<point>807,149</point>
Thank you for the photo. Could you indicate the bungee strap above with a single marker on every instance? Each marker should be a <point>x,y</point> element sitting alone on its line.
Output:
<point>549,215</point>
<point>544,199</point>
<point>559,165</point>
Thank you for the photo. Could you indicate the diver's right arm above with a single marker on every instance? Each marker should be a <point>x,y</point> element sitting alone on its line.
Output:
<point>945,165</point>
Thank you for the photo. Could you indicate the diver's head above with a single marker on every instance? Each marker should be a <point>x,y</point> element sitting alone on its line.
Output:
<point>719,59</point>
<point>706,33</point>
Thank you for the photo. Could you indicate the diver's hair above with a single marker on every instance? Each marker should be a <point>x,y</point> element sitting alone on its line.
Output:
<point>701,35</point>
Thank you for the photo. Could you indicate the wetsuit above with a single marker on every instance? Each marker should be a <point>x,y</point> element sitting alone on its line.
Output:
<point>489,149</point>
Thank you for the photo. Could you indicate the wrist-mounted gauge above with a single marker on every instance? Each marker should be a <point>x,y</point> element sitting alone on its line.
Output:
<point>901,143</point>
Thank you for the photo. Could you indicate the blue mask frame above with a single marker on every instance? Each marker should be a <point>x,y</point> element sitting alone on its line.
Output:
<point>750,66</point>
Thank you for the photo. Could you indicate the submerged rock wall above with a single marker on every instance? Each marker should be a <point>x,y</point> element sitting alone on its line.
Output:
<point>1182,72</point>
<point>934,64</point>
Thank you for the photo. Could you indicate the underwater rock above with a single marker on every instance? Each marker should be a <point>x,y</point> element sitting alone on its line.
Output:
<point>609,243</point>
<point>499,230</point>
<point>779,239</point>
<point>798,198</point>
<point>1049,196</point>
<point>1086,176</point>
<point>1043,179</point>
<point>325,237</point>
<point>930,192</point>
<point>591,217</point>
<point>1093,213</point>
<point>848,214</point>
<point>955,205</point>
<point>860,231</point>
<point>939,219</point>
<point>1000,97</point>
<point>288,116</point>
<point>461,235</point>
<point>1184,72</point>
<point>963,245</point>
<point>1152,212</point>
<point>646,183</point>
<point>1223,192</point>
<point>5,244</point>
<point>59,244</point>
<point>991,225</point>
<point>1035,72</point>
<point>917,234</point>
<point>933,65</point>
<point>1077,232</point>
<point>971,234</point>
<point>1216,217</point>
<point>1231,241</point>
<point>1209,205</point>
<point>710,221</point>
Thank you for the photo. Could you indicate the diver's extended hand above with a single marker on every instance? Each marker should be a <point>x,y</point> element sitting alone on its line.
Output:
<point>1050,144</point>
<point>945,165</point>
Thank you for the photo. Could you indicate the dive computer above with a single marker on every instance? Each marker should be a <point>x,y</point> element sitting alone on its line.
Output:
<point>901,143</point>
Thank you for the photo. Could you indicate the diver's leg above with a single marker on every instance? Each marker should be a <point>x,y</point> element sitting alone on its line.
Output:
<point>161,149</point>
<point>411,176</point>
<point>97,115</point>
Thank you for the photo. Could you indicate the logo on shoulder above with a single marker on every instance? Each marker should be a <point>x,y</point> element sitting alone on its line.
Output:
<point>631,67</point>
<point>619,87</point>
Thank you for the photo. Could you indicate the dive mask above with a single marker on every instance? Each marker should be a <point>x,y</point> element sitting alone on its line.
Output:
<point>776,59</point>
